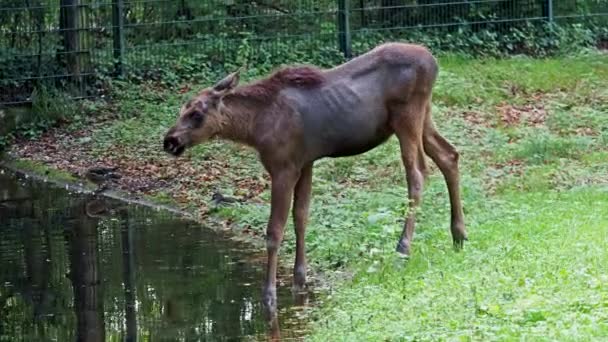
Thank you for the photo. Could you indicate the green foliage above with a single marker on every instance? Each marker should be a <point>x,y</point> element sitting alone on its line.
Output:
<point>193,62</point>
<point>174,42</point>
<point>17,63</point>
<point>578,119</point>
<point>42,169</point>
<point>537,39</point>
<point>204,58</point>
<point>534,271</point>
<point>49,107</point>
<point>543,147</point>
<point>489,81</point>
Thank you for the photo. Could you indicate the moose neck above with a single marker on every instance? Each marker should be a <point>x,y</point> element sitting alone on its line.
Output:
<point>237,120</point>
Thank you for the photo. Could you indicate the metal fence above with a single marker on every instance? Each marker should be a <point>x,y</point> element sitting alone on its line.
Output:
<point>71,43</point>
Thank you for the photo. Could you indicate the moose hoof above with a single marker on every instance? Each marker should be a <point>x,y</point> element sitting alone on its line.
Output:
<point>459,240</point>
<point>300,298</point>
<point>403,248</point>
<point>299,279</point>
<point>269,301</point>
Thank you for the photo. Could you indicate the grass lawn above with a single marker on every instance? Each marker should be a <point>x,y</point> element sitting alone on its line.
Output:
<point>535,269</point>
<point>533,138</point>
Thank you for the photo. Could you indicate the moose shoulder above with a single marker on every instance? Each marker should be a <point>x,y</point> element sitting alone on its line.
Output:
<point>300,114</point>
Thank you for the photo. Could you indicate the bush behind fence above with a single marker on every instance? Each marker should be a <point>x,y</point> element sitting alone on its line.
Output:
<point>75,44</point>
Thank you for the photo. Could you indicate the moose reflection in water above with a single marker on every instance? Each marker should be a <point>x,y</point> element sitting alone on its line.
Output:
<point>93,269</point>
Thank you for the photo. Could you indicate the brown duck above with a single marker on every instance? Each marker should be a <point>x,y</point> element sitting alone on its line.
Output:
<point>101,175</point>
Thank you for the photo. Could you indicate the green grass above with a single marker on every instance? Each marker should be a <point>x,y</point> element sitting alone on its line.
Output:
<point>535,199</point>
<point>488,81</point>
<point>534,269</point>
<point>533,139</point>
<point>42,169</point>
<point>543,147</point>
<point>575,119</point>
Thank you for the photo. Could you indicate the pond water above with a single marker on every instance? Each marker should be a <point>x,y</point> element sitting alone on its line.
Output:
<point>74,267</point>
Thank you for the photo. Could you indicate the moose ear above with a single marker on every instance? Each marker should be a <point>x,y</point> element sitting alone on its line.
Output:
<point>228,83</point>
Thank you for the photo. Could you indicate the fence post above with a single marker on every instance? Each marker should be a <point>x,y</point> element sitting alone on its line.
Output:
<point>69,21</point>
<point>118,23</point>
<point>344,41</point>
<point>550,10</point>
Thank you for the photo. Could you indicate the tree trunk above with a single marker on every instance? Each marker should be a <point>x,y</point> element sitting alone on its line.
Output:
<point>68,25</point>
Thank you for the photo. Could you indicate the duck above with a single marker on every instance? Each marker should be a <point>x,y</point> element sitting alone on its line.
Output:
<point>96,209</point>
<point>100,175</point>
<point>217,199</point>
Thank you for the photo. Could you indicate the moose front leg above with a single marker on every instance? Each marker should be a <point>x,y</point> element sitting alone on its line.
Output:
<point>301,203</point>
<point>282,187</point>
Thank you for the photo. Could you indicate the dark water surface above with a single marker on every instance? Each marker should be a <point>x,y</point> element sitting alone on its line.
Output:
<point>74,267</point>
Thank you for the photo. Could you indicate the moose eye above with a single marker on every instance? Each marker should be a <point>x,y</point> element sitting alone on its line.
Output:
<point>197,118</point>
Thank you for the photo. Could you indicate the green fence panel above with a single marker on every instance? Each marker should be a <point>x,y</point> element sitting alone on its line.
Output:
<point>73,44</point>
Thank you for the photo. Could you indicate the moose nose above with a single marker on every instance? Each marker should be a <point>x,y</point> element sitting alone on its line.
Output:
<point>169,142</point>
<point>172,145</point>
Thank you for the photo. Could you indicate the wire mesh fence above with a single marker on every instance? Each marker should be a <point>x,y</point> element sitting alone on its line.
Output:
<point>73,43</point>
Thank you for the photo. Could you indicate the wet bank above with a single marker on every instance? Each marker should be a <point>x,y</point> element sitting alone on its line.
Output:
<point>95,269</point>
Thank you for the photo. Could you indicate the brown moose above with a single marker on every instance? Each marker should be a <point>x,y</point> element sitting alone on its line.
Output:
<point>301,114</point>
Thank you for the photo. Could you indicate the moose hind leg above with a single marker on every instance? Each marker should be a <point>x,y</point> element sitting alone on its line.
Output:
<point>407,125</point>
<point>446,158</point>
